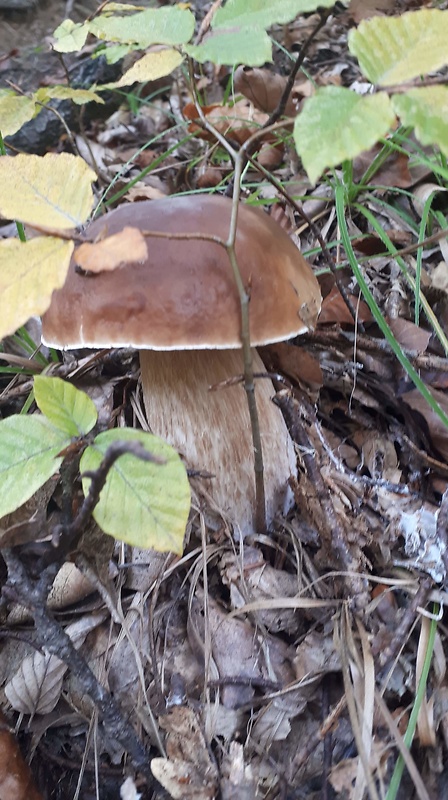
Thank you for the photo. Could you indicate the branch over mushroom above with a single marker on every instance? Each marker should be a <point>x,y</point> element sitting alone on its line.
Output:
<point>180,307</point>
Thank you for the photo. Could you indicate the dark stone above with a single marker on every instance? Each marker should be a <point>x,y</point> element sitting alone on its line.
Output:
<point>44,131</point>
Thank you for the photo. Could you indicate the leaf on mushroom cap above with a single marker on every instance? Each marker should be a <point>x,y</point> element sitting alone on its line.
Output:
<point>183,295</point>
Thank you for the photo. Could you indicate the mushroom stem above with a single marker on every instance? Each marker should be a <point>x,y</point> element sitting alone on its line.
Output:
<point>212,429</point>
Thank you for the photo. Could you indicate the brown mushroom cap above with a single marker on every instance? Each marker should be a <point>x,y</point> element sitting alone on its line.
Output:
<point>183,296</point>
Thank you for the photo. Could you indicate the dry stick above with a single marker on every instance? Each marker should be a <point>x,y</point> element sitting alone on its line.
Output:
<point>388,654</point>
<point>239,160</point>
<point>207,21</point>
<point>32,593</point>
<point>279,111</point>
<point>248,376</point>
<point>54,640</point>
<point>248,148</point>
<point>249,384</point>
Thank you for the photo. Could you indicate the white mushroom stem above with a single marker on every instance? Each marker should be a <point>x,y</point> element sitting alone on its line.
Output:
<point>212,431</point>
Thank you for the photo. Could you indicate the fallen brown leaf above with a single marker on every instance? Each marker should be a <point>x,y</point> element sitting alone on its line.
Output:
<point>334,309</point>
<point>364,9</point>
<point>237,122</point>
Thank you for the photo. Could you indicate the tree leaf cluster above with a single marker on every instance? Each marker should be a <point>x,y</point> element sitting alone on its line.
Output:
<point>143,503</point>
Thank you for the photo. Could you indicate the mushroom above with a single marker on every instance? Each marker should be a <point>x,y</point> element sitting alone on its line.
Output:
<point>180,308</point>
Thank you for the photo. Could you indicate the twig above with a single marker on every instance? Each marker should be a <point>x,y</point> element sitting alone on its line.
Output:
<point>31,587</point>
<point>98,479</point>
<point>49,634</point>
<point>388,654</point>
<point>239,159</point>
<point>279,111</point>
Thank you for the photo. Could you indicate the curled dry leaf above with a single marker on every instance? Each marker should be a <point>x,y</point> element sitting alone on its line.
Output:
<point>210,178</point>
<point>395,171</point>
<point>254,579</point>
<point>417,524</point>
<point>296,363</point>
<point>410,335</point>
<point>69,587</point>
<point>188,772</point>
<point>237,122</point>
<point>439,277</point>
<point>437,430</point>
<point>268,660</point>
<point>364,9</point>
<point>380,457</point>
<point>316,654</point>
<point>265,89</point>
<point>238,781</point>
<point>16,780</point>
<point>334,309</point>
<point>271,155</point>
<point>262,87</point>
<point>36,686</point>
<point>372,245</point>
<point>126,247</point>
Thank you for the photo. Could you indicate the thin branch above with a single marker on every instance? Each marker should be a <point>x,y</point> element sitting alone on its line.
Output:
<point>280,110</point>
<point>239,158</point>
<point>51,636</point>
<point>98,478</point>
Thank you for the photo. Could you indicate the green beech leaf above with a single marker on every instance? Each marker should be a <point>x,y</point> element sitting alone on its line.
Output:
<point>142,503</point>
<point>29,448</point>
<point>152,26</point>
<point>426,110</point>
<point>392,50</point>
<point>67,408</point>
<point>114,52</point>
<point>249,46</point>
<point>264,13</point>
<point>337,124</point>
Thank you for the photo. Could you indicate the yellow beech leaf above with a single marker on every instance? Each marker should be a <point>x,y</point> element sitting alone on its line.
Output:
<point>149,68</point>
<point>79,96</point>
<point>52,191</point>
<point>15,110</point>
<point>115,251</point>
<point>29,272</point>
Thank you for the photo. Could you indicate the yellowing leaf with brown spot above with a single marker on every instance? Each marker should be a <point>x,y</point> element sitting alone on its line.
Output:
<point>29,272</point>
<point>52,191</point>
<point>15,110</point>
<point>151,67</point>
<point>122,248</point>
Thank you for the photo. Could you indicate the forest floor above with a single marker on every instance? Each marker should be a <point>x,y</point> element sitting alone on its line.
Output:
<point>285,665</point>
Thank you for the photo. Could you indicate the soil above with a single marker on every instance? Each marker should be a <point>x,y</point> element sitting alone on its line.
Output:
<point>29,30</point>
